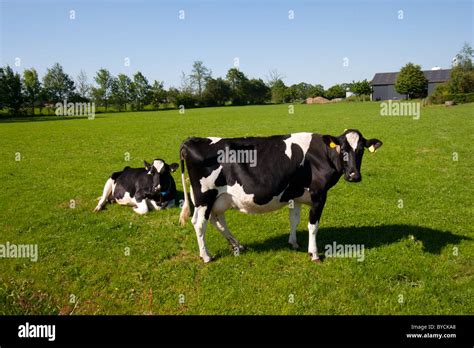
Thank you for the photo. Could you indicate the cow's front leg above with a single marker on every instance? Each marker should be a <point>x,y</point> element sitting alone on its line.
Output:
<point>142,207</point>
<point>317,204</point>
<point>295,214</point>
<point>165,205</point>
<point>155,205</point>
<point>200,224</point>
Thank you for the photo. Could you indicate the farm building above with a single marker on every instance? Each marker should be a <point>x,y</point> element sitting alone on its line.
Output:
<point>383,84</point>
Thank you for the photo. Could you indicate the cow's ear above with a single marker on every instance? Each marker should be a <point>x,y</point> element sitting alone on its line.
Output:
<point>332,142</point>
<point>373,144</point>
<point>173,167</point>
<point>147,165</point>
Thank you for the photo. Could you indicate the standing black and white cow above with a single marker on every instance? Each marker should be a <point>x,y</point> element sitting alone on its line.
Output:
<point>299,168</point>
<point>147,188</point>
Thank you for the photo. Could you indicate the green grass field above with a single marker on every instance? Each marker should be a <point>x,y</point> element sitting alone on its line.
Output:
<point>418,258</point>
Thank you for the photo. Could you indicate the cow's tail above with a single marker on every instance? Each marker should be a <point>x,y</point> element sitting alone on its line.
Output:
<point>105,194</point>
<point>185,210</point>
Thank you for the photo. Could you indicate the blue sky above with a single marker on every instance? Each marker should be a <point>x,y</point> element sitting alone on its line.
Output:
<point>311,47</point>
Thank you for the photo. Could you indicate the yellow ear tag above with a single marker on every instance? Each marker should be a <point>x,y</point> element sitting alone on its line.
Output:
<point>372,148</point>
<point>332,145</point>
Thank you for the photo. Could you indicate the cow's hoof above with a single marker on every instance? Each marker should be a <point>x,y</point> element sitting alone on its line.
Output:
<point>238,249</point>
<point>294,245</point>
<point>314,258</point>
<point>206,259</point>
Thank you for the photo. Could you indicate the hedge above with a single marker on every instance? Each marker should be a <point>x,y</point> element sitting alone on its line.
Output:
<point>456,98</point>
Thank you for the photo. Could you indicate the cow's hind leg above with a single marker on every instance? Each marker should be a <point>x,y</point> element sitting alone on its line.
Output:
<point>200,224</point>
<point>106,194</point>
<point>295,215</point>
<point>221,225</point>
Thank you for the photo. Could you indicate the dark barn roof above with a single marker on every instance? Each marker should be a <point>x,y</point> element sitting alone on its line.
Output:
<point>431,75</point>
<point>437,75</point>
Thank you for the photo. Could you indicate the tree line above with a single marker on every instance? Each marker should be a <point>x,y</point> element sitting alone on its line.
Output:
<point>22,94</point>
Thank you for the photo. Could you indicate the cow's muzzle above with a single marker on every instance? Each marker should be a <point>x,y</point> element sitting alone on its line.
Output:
<point>353,177</point>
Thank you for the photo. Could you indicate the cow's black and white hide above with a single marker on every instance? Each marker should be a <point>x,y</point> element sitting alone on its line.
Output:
<point>281,170</point>
<point>149,188</point>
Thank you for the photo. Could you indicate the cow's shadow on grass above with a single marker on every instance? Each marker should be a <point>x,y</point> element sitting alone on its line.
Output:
<point>370,236</point>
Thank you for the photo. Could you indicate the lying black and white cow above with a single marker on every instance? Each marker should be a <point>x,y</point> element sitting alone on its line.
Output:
<point>151,187</point>
<point>289,170</point>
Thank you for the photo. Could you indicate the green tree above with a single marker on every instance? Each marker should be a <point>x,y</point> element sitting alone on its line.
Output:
<point>2,87</point>
<point>141,91</point>
<point>316,91</point>
<point>199,75</point>
<point>216,92</point>
<point>58,86</point>
<point>237,81</point>
<point>461,81</point>
<point>292,93</point>
<point>257,92</point>
<point>303,90</point>
<point>462,74</point>
<point>184,96</point>
<point>336,91</point>
<point>11,90</point>
<point>279,92</point>
<point>411,81</point>
<point>101,94</point>
<point>361,87</point>
<point>181,98</point>
<point>121,91</point>
<point>157,94</point>
<point>31,88</point>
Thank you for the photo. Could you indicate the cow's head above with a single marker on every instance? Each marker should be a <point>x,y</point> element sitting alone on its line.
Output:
<point>160,171</point>
<point>349,149</point>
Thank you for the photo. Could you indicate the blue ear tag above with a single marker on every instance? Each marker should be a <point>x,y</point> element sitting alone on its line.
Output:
<point>164,193</point>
